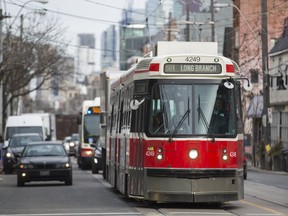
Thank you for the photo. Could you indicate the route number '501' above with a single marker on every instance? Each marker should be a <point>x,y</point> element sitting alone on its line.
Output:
<point>192,59</point>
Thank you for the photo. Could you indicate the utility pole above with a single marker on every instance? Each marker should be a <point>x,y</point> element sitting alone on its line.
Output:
<point>212,20</point>
<point>266,98</point>
<point>169,26</point>
<point>187,19</point>
<point>2,92</point>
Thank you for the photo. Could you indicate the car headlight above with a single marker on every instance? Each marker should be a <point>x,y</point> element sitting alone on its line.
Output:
<point>9,155</point>
<point>64,165</point>
<point>26,166</point>
<point>71,144</point>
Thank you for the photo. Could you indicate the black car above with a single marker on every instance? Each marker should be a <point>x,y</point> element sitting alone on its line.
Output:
<point>14,149</point>
<point>44,161</point>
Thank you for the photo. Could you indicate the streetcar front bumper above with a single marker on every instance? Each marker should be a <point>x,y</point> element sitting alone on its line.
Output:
<point>196,186</point>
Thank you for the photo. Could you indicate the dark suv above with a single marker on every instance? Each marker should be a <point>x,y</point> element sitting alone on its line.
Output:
<point>14,149</point>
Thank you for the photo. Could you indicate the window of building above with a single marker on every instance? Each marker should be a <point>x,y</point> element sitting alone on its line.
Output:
<point>254,75</point>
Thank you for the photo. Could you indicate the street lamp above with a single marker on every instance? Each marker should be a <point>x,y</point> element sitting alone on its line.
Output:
<point>22,6</point>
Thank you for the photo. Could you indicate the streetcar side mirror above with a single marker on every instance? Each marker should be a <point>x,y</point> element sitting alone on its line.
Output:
<point>134,104</point>
<point>228,84</point>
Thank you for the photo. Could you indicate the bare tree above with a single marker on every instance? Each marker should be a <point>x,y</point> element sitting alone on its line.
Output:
<point>38,53</point>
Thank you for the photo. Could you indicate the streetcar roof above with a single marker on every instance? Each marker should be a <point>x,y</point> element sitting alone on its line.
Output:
<point>184,47</point>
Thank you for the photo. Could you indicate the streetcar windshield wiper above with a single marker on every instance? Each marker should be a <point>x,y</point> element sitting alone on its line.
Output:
<point>204,120</point>
<point>175,131</point>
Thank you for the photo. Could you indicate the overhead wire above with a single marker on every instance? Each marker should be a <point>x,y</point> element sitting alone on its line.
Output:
<point>132,11</point>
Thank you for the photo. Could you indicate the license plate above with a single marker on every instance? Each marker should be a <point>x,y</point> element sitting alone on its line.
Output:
<point>44,173</point>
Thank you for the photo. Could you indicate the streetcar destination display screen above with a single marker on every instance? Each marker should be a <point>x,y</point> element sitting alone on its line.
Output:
<point>195,68</point>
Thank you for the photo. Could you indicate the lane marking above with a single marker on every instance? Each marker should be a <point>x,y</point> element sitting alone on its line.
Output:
<point>263,208</point>
<point>103,213</point>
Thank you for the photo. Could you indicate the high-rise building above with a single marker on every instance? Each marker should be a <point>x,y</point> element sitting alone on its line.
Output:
<point>85,58</point>
<point>108,48</point>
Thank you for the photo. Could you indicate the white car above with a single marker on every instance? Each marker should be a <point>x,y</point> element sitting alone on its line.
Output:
<point>66,143</point>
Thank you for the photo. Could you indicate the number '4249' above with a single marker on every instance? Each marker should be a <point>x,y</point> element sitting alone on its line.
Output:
<point>192,59</point>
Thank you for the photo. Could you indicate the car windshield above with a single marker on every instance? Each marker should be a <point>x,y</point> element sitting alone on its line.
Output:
<point>19,130</point>
<point>23,141</point>
<point>75,137</point>
<point>44,150</point>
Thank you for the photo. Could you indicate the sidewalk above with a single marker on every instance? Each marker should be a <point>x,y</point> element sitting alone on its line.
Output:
<point>257,169</point>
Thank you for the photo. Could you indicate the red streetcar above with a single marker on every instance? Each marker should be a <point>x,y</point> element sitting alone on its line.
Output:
<point>175,130</point>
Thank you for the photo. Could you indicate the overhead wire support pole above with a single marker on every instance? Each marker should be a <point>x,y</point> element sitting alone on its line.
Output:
<point>266,92</point>
<point>187,20</point>
<point>2,119</point>
<point>213,20</point>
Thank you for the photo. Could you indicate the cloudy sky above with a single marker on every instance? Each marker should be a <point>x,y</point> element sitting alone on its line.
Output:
<point>76,16</point>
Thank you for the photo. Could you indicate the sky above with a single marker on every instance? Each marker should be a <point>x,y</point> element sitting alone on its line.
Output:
<point>76,16</point>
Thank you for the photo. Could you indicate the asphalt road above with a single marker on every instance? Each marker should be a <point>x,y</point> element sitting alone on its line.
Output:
<point>91,195</point>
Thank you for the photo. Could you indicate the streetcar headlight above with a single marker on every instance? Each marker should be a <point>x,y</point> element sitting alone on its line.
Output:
<point>193,154</point>
<point>225,157</point>
<point>159,156</point>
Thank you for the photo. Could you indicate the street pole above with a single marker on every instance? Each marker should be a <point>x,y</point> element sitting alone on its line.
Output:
<point>212,20</point>
<point>1,86</point>
<point>2,117</point>
<point>266,97</point>
<point>187,19</point>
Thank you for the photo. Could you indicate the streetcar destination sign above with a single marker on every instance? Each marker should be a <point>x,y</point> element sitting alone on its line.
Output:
<point>202,68</point>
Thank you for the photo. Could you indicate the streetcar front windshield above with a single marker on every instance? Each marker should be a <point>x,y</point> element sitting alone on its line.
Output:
<point>91,128</point>
<point>192,109</point>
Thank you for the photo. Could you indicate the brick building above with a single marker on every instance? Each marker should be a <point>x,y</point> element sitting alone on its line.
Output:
<point>247,52</point>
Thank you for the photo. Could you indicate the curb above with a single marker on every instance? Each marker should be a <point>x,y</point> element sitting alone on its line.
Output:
<point>256,169</point>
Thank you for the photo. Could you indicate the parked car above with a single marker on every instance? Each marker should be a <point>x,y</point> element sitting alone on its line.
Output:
<point>74,142</point>
<point>44,161</point>
<point>245,168</point>
<point>15,146</point>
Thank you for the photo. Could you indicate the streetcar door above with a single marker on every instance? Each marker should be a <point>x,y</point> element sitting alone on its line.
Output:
<point>137,175</point>
<point>140,151</point>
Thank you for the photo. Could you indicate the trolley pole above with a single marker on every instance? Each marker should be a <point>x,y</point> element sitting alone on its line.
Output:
<point>266,98</point>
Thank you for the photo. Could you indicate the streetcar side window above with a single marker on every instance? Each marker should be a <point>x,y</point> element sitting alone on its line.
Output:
<point>111,118</point>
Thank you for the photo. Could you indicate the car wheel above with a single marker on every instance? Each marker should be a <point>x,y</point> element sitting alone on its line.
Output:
<point>94,170</point>
<point>69,181</point>
<point>20,182</point>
